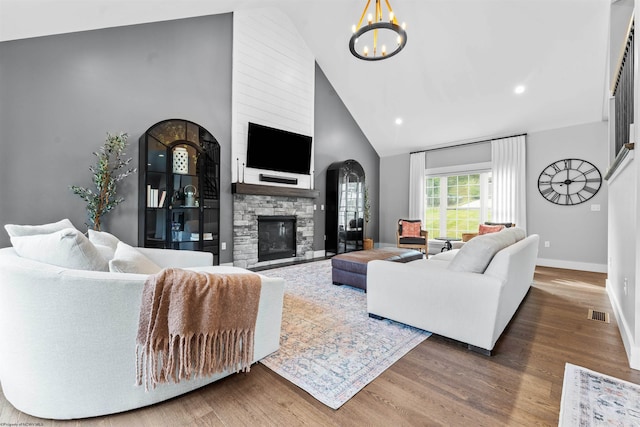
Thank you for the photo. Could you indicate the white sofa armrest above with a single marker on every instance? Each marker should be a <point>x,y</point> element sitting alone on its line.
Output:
<point>177,258</point>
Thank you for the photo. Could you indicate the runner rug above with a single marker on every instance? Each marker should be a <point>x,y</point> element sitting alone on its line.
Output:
<point>329,346</point>
<point>590,398</point>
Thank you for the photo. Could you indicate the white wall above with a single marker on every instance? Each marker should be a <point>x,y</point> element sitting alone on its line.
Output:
<point>273,84</point>
<point>624,199</point>
<point>622,244</point>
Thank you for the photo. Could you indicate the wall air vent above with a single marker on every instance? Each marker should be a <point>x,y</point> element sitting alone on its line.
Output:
<point>600,316</point>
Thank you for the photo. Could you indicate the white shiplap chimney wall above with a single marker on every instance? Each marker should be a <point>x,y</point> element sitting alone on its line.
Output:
<point>273,84</point>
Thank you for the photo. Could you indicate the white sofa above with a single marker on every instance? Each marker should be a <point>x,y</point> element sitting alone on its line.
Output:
<point>68,336</point>
<point>468,294</point>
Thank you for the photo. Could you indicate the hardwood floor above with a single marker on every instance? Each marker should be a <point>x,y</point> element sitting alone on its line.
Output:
<point>437,383</point>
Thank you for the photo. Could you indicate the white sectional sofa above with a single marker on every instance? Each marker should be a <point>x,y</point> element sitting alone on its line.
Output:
<point>468,294</point>
<point>69,335</point>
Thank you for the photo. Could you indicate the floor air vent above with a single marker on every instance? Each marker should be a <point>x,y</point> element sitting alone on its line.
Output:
<point>600,316</point>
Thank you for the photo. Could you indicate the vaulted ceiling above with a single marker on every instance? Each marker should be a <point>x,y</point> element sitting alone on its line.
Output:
<point>454,81</point>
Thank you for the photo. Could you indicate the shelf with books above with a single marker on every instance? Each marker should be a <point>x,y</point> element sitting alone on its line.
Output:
<point>179,198</point>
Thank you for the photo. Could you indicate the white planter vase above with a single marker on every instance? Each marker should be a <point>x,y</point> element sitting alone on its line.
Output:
<point>180,160</point>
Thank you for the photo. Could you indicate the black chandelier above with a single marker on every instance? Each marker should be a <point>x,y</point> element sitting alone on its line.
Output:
<point>378,34</point>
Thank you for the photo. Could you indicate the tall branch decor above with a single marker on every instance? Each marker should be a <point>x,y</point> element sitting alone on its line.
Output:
<point>111,167</point>
<point>367,243</point>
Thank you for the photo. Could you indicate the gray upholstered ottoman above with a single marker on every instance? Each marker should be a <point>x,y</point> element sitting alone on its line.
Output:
<point>351,268</point>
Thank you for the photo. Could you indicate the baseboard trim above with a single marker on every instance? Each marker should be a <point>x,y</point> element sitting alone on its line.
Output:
<point>319,254</point>
<point>633,351</point>
<point>572,265</point>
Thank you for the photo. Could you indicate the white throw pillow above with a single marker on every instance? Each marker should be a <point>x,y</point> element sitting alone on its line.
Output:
<point>477,253</point>
<point>67,248</point>
<point>517,233</point>
<point>105,242</point>
<point>30,230</point>
<point>128,259</point>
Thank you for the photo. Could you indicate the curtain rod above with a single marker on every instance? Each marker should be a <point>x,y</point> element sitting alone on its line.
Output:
<point>466,143</point>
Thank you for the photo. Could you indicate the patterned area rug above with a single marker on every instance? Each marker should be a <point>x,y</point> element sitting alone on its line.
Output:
<point>329,346</point>
<point>593,399</point>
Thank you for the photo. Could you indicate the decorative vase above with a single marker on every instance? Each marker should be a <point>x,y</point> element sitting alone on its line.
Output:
<point>180,160</point>
<point>367,244</point>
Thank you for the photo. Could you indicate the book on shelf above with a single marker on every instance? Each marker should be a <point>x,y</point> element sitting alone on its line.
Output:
<point>155,198</point>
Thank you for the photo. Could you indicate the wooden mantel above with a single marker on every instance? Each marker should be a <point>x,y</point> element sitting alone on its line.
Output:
<point>272,190</point>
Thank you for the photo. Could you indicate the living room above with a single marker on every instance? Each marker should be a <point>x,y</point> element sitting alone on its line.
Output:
<point>61,93</point>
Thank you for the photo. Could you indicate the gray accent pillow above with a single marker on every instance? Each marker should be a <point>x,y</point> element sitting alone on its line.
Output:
<point>477,253</point>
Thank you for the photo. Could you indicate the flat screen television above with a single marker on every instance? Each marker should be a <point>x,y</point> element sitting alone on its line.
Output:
<point>278,150</point>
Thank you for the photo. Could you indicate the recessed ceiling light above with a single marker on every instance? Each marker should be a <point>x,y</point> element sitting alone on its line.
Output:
<point>399,121</point>
<point>519,89</point>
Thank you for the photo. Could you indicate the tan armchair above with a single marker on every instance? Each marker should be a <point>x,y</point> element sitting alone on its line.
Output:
<point>415,238</point>
<point>468,236</point>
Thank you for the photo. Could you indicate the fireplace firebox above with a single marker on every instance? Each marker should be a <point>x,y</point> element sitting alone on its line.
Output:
<point>276,237</point>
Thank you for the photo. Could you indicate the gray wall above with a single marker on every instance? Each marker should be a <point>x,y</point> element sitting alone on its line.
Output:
<point>61,94</point>
<point>479,152</point>
<point>394,195</point>
<point>338,138</point>
<point>576,234</point>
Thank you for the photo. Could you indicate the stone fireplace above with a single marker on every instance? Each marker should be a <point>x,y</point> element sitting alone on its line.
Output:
<point>252,202</point>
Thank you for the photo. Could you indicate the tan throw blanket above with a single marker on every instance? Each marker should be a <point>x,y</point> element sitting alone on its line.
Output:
<point>195,323</point>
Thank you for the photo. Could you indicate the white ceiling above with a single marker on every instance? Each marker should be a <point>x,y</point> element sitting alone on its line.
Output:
<point>453,82</point>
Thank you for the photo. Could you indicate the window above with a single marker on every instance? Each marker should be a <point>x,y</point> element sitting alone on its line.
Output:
<point>457,204</point>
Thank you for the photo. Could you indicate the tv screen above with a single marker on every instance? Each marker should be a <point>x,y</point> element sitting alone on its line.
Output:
<point>278,150</point>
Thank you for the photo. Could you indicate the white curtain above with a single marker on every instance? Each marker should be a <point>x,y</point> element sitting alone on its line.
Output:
<point>508,157</point>
<point>417,166</point>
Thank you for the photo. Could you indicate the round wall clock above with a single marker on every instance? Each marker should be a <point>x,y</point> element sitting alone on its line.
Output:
<point>569,181</point>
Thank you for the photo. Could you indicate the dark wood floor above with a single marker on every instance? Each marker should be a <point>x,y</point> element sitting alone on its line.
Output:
<point>437,383</point>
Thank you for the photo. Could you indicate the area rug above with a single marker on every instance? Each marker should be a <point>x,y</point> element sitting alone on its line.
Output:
<point>329,346</point>
<point>590,398</point>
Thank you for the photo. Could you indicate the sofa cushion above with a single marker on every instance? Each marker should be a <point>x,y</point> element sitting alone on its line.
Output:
<point>15,230</point>
<point>106,243</point>
<point>67,248</point>
<point>477,253</point>
<point>128,259</point>
<point>412,240</point>
<point>517,233</point>
<point>445,256</point>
